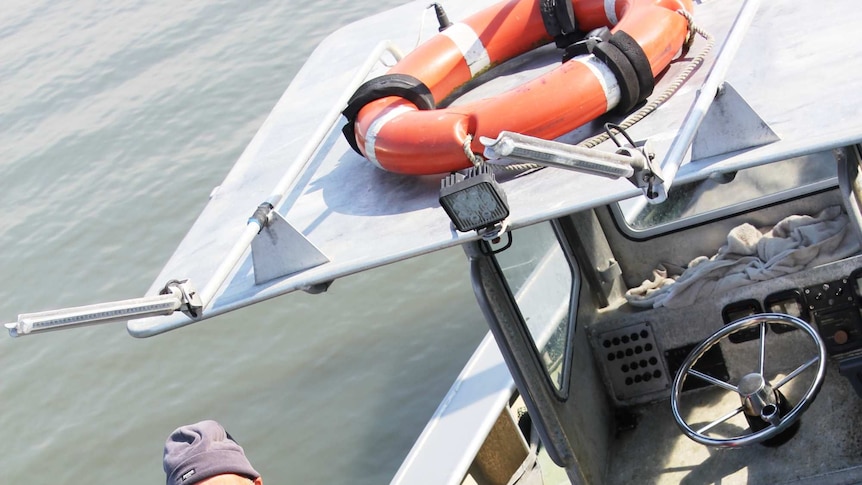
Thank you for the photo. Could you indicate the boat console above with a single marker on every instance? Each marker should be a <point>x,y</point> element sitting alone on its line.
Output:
<point>629,394</point>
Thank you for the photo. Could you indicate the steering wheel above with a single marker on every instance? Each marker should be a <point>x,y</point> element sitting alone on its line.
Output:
<point>760,398</point>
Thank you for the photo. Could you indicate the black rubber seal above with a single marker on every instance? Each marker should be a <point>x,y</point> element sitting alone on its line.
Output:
<point>625,73</point>
<point>586,45</point>
<point>559,19</point>
<point>261,216</point>
<point>401,85</point>
<point>549,17</point>
<point>566,16</point>
<point>639,60</point>
<point>581,48</point>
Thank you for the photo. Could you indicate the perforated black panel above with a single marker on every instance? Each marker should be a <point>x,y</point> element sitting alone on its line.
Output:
<point>633,361</point>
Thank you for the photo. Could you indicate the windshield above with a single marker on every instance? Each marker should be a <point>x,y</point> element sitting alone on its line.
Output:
<point>727,193</point>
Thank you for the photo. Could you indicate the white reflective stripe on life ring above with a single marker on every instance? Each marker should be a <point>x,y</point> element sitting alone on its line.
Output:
<point>611,11</point>
<point>606,78</point>
<point>376,126</point>
<point>471,47</point>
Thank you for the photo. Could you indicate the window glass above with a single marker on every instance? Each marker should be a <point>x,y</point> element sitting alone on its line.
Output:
<point>724,194</point>
<point>541,279</point>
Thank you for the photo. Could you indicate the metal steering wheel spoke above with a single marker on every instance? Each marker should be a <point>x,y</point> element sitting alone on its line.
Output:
<point>721,420</point>
<point>799,370</point>
<point>713,380</point>
<point>760,400</point>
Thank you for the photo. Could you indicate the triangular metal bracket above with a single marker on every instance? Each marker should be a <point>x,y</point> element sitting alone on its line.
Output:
<point>730,124</point>
<point>280,250</point>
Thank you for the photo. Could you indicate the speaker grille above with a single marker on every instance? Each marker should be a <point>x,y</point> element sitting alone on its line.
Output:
<point>633,361</point>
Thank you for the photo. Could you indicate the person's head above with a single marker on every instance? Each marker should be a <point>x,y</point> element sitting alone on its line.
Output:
<point>204,453</point>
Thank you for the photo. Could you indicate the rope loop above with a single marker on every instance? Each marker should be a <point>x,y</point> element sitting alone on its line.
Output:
<point>475,159</point>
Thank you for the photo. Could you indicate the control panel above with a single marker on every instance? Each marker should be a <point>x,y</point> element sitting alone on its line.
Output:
<point>833,306</point>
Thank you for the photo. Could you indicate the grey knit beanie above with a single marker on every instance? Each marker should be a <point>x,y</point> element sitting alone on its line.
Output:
<point>203,450</point>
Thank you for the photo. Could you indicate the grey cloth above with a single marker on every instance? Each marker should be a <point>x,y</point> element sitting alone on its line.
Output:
<point>203,450</point>
<point>751,255</point>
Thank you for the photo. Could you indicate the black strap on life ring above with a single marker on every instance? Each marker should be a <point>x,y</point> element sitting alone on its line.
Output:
<point>559,19</point>
<point>636,55</point>
<point>586,46</point>
<point>625,73</point>
<point>625,58</point>
<point>401,85</point>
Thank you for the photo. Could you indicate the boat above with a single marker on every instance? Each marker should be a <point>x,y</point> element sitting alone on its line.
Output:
<point>672,291</point>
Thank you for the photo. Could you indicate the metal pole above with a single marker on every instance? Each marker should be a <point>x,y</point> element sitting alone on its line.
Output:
<point>289,178</point>
<point>705,96</point>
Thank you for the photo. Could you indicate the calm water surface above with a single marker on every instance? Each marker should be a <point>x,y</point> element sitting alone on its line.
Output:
<point>116,121</point>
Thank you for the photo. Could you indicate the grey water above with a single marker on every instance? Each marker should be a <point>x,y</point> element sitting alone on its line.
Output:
<point>117,119</point>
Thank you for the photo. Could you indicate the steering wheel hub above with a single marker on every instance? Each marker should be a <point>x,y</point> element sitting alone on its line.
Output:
<point>756,394</point>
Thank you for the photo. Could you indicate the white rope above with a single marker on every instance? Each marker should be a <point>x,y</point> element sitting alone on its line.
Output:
<point>475,159</point>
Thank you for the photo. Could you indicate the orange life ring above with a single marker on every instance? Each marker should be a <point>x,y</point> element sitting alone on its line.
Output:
<point>397,136</point>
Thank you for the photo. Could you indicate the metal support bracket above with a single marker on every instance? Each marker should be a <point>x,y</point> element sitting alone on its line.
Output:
<point>730,124</point>
<point>611,272</point>
<point>190,299</point>
<point>647,176</point>
<point>280,250</point>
